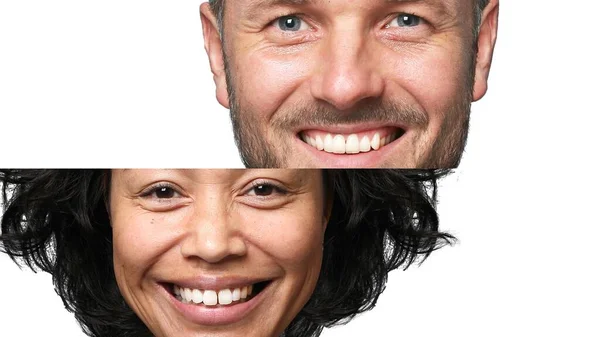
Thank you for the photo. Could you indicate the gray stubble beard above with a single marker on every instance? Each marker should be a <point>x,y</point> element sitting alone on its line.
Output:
<point>255,152</point>
<point>446,150</point>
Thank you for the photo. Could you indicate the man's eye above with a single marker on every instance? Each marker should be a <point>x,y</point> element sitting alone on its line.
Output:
<point>291,23</point>
<point>405,20</point>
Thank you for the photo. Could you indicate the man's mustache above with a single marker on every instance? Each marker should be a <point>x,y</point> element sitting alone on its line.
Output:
<point>323,114</point>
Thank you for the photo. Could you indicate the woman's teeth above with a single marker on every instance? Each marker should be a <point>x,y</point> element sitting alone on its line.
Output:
<point>212,297</point>
<point>347,145</point>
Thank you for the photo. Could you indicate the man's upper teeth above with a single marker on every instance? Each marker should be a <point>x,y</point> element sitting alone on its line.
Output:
<point>212,297</point>
<point>349,145</point>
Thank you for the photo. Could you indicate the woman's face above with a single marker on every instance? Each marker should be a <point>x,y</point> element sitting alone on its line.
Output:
<point>217,252</point>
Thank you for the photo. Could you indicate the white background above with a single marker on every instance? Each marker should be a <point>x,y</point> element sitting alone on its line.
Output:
<point>126,83</point>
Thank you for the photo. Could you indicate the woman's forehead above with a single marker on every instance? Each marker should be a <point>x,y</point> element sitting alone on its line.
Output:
<point>214,176</point>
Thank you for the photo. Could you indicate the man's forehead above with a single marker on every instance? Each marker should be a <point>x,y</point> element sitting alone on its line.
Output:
<point>444,6</point>
<point>305,2</point>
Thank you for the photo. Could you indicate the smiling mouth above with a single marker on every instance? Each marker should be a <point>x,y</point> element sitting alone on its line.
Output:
<point>217,297</point>
<point>353,143</point>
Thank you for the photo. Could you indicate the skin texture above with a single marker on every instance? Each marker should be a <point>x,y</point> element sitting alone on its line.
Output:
<point>216,224</point>
<point>350,66</point>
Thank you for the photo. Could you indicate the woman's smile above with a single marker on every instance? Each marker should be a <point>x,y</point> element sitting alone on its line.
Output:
<point>218,306</point>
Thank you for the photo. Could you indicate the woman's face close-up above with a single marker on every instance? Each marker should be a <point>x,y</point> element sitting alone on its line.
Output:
<point>217,252</point>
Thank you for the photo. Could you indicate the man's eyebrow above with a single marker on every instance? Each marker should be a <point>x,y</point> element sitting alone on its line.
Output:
<point>272,3</point>
<point>441,6</point>
<point>257,7</point>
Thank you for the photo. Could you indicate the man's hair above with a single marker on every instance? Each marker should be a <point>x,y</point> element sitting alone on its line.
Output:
<point>58,221</point>
<point>479,7</point>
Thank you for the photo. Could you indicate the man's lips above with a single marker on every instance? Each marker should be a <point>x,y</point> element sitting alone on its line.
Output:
<point>352,142</point>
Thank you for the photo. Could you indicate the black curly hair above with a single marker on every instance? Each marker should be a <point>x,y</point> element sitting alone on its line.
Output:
<point>57,221</point>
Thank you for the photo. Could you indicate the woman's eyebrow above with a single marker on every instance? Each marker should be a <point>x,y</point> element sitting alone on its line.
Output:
<point>130,176</point>
<point>295,179</point>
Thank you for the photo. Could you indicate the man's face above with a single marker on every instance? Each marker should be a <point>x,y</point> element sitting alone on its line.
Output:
<point>339,83</point>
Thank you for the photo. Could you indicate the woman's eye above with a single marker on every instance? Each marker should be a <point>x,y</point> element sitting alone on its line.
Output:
<point>164,192</point>
<point>262,190</point>
<point>291,23</point>
<point>405,20</point>
<point>161,192</point>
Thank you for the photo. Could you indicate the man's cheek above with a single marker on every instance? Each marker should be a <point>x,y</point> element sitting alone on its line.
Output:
<point>432,80</point>
<point>267,82</point>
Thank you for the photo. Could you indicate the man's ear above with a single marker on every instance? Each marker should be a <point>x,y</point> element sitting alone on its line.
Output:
<point>485,45</point>
<point>214,50</point>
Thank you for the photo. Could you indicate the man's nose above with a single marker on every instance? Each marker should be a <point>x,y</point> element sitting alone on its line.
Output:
<point>211,236</point>
<point>348,72</point>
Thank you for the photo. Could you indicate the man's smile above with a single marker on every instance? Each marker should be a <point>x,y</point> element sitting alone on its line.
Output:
<point>351,143</point>
<point>323,147</point>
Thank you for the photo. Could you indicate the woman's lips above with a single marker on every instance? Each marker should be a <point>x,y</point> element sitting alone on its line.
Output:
<point>213,312</point>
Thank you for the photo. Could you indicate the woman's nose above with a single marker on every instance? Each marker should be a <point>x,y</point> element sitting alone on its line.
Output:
<point>212,236</point>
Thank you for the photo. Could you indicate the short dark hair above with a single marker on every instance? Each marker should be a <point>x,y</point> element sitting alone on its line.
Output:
<point>58,221</point>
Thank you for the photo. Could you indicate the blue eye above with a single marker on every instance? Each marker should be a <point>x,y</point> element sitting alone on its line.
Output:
<point>290,23</point>
<point>408,20</point>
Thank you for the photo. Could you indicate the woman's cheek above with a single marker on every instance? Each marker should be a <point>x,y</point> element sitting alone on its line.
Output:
<point>290,237</point>
<point>142,237</point>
